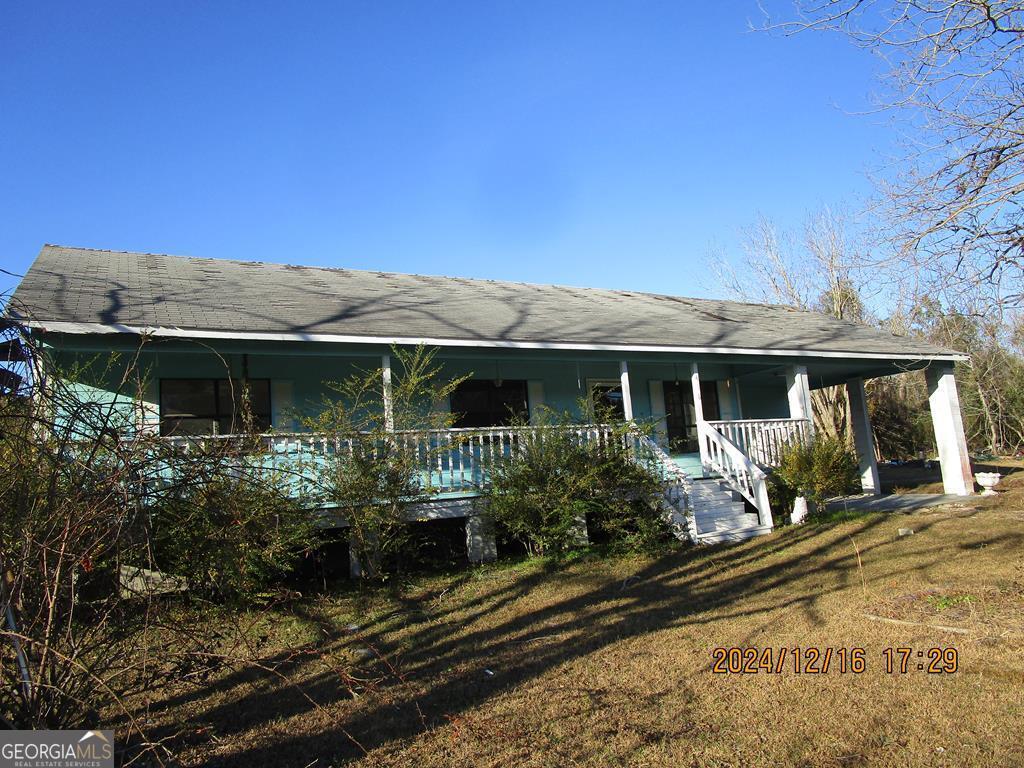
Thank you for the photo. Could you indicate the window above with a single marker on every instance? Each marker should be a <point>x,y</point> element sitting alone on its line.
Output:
<point>606,398</point>
<point>479,403</point>
<point>680,414</point>
<point>211,406</point>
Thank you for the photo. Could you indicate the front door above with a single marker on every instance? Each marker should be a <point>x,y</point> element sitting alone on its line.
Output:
<point>680,415</point>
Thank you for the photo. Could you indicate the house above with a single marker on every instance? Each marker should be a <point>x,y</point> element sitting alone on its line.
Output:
<point>725,383</point>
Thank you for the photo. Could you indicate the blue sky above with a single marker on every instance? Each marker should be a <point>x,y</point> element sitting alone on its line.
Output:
<point>587,143</point>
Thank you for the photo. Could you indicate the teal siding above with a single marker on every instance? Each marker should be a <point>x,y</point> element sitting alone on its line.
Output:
<point>764,397</point>
<point>297,372</point>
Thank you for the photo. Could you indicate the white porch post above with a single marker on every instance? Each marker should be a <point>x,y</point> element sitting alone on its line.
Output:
<point>799,390</point>
<point>862,437</point>
<point>389,406</point>
<point>698,414</point>
<point>656,389</point>
<point>739,400</point>
<point>949,430</point>
<point>627,398</point>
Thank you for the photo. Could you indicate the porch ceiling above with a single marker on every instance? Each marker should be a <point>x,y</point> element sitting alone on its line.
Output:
<point>827,373</point>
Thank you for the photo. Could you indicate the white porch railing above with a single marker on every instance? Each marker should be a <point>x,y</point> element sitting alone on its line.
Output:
<point>763,439</point>
<point>447,460</point>
<point>724,457</point>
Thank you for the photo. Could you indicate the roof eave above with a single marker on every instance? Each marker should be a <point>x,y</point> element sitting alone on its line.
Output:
<point>333,338</point>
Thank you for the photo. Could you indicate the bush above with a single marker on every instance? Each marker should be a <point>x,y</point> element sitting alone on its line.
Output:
<point>625,506</point>
<point>818,469</point>
<point>230,537</point>
<point>554,482</point>
<point>373,486</point>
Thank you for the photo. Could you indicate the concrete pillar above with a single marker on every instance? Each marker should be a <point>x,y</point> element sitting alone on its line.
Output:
<point>356,567</point>
<point>698,415</point>
<point>863,440</point>
<point>579,536</point>
<point>389,406</point>
<point>480,544</point>
<point>949,430</point>
<point>799,390</point>
<point>627,397</point>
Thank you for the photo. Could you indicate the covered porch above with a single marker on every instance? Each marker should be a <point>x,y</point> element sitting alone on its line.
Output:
<point>713,416</point>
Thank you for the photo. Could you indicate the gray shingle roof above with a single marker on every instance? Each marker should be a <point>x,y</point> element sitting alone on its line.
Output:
<point>77,285</point>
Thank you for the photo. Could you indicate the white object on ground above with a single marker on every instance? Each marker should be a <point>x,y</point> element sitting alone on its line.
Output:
<point>988,481</point>
<point>799,513</point>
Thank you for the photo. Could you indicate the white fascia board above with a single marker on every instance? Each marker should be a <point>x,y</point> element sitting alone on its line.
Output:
<point>333,338</point>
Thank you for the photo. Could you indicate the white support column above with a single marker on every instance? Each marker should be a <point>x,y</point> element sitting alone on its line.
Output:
<point>799,390</point>
<point>698,414</point>
<point>389,406</point>
<point>949,430</point>
<point>656,390</point>
<point>736,394</point>
<point>627,398</point>
<point>862,437</point>
<point>535,400</point>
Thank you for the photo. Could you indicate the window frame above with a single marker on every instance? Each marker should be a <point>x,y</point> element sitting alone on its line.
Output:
<point>610,384</point>
<point>457,414</point>
<point>216,416</point>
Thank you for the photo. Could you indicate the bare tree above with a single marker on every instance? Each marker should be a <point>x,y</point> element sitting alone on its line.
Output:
<point>955,73</point>
<point>823,270</point>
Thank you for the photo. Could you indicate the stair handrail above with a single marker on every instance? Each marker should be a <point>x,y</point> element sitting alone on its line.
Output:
<point>763,440</point>
<point>740,472</point>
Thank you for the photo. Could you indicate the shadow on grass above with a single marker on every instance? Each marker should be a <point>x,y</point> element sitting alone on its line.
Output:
<point>449,667</point>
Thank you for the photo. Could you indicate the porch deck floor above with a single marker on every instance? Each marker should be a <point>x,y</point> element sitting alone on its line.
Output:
<point>895,502</point>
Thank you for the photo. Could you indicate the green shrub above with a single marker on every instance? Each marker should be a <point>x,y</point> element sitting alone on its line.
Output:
<point>539,496</point>
<point>818,469</point>
<point>780,496</point>
<point>624,509</point>
<point>230,537</point>
<point>374,485</point>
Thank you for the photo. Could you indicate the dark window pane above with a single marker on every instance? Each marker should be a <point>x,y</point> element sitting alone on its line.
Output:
<point>709,399</point>
<point>205,406</point>
<point>608,400</point>
<point>230,395</point>
<point>187,397</point>
<point>259,396</point>
<point>478,403</point>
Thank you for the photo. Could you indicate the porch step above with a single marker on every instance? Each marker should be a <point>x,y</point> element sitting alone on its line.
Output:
<point>720,513</point>
<point>739,534</point>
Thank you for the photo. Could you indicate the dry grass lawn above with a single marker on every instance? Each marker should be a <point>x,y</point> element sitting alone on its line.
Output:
<point>605,662</point>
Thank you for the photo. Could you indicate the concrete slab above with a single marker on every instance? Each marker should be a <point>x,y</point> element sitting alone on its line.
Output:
<point>896,502</point>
